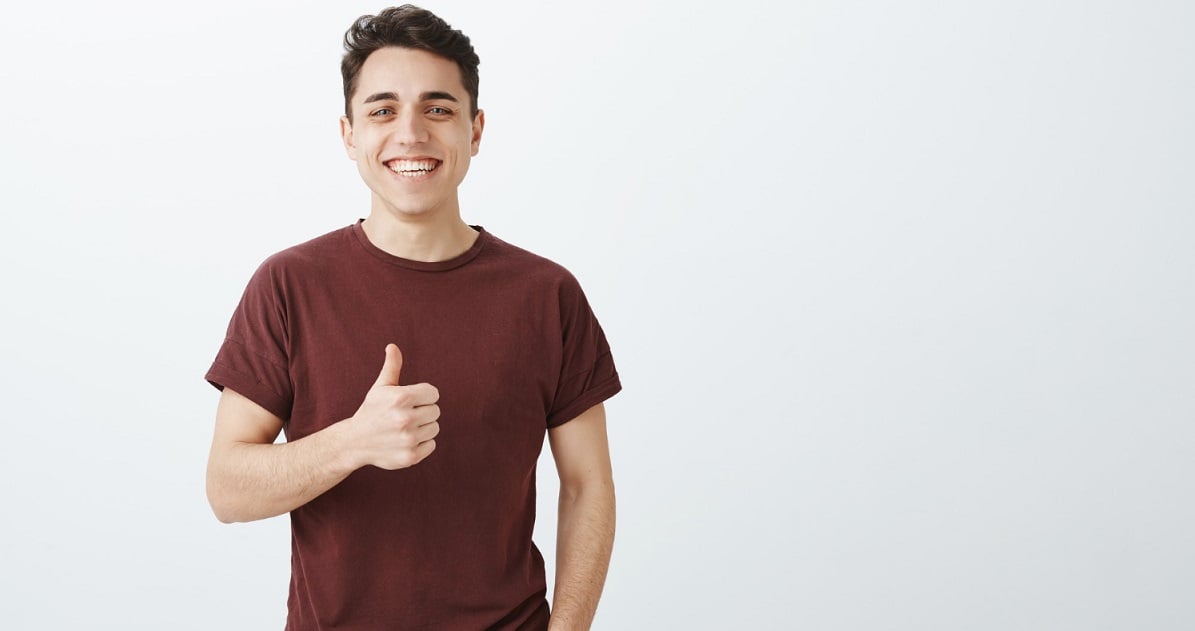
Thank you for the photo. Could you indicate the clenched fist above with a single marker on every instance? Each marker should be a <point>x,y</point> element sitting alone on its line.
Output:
<point>396,426</point>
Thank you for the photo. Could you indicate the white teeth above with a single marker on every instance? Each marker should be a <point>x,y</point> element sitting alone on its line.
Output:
<point>413,167</point>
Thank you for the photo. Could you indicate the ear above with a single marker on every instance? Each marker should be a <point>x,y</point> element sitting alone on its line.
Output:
<point>478,127</point>
<point>346,134</point>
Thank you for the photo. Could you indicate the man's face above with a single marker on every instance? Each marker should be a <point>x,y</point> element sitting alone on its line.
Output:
<point>411,133</point>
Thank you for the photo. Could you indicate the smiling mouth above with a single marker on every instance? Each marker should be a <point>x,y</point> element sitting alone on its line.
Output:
<point>414,168</point>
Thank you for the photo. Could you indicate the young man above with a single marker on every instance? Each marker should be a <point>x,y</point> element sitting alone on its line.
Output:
<point>415,363</point>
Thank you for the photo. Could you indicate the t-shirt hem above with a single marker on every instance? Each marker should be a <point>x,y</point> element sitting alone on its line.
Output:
<point>590,398</point>
<point>223,376</point>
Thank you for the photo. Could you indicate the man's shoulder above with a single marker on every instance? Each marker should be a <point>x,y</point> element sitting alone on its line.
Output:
<point>527,263</point>
<point>312,252</point>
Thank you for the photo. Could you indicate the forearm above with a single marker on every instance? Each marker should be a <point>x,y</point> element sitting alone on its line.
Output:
<point>584,541</point>
<point>250,481</point>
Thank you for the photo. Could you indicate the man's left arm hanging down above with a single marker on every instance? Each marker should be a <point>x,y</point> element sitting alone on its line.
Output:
<point>585,526</point>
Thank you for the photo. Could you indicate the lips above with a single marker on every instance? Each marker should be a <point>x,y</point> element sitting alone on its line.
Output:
<point>413,167</point>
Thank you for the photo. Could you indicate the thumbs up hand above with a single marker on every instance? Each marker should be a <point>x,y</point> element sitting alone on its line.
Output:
<point>396,426</point>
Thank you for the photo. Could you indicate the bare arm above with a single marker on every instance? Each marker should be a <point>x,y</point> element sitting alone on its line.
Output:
<point>585,529</point>
<point>249,477</point>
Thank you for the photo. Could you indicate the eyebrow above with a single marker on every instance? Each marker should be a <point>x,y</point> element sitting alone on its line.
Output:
<point>426,96</point>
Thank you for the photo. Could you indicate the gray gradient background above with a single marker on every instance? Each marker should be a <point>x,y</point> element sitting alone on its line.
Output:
<point>901,295</point>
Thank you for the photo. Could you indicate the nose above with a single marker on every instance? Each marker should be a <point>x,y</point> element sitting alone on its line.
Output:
<point>409,127</point>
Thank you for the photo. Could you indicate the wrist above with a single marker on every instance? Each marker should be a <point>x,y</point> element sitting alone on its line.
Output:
<point>340,454</point>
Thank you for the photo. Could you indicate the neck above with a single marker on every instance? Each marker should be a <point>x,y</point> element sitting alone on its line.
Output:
<point>428,238</point>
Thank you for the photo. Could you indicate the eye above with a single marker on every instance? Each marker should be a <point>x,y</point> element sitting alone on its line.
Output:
<point>440,111</point>
<point>383,111</point>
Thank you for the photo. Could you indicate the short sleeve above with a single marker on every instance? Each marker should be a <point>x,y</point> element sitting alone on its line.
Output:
<point>253,360</point>
<point>587,372</point>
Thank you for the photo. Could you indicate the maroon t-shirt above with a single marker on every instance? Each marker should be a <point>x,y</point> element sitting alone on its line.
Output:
<point>511,343</point>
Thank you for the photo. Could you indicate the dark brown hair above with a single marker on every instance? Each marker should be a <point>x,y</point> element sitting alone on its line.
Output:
<point>406,26</point>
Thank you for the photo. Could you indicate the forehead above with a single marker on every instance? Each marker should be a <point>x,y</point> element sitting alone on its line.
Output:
<point>408,72</point>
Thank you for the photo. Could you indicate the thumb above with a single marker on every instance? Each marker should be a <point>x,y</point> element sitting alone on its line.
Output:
<point>391,367</point>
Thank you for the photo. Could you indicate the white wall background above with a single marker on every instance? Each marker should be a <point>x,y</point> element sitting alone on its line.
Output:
<point>901,294</point>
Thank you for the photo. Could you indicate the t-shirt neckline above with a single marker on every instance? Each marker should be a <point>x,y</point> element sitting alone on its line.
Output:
<point>423,266</point>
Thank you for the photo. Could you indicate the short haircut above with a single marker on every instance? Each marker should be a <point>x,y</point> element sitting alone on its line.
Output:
<point>406,26</point>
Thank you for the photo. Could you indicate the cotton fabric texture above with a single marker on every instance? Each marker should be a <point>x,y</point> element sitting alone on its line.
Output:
<point>511,343</point>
